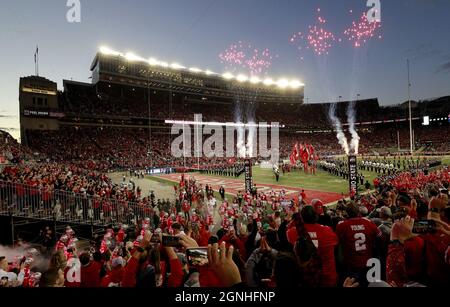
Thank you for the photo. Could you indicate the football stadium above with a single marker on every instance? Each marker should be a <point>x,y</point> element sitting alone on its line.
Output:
<point>158,174</point>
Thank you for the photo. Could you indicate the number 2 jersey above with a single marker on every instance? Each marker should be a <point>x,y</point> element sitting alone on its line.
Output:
<point>357,237</point>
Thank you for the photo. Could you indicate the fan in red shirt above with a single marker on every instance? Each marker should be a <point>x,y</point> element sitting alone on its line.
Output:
<point>121,234</point>
<point>303,195</point>
<point>186,207</point>
<point>325,240</point>
<point>357,237</point>
<point>90,271</point>
<point>436,265</point>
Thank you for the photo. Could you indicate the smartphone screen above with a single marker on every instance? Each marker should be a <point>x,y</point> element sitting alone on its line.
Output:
<point>197,257</point>
<point>424,227</point>
<point>171,241</point>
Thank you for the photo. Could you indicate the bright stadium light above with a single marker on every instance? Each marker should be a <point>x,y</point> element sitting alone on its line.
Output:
<point>107,51</point>
<point>195,70</point>
<point>209,72</point>
<point>255,80</point>
<point>228,76</point>
<point>153,62</point>
<point>163,64</point>
<point>133,58</point>
<point>177,66</point>
<point>283,83</point>
<point>295,84</point>
<point>242,78</point>
<point>268,82</point>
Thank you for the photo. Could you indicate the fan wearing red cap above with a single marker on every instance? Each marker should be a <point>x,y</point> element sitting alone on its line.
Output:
<point>318,206</point>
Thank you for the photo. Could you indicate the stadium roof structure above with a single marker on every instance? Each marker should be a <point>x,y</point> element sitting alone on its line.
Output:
<point>281,83</point>
<point>115,68</point>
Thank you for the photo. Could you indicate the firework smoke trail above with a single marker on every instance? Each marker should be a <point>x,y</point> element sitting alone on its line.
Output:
<point>241,150</point>
<point>358,73</point>
<point>339,133</point>
<point>252,130</point>
<point>251,144</point>
<point>354,143</point>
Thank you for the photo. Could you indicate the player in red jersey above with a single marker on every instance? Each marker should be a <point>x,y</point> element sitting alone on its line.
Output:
<point>358,237</point>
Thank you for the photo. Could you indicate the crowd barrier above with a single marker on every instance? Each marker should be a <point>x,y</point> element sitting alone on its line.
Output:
<point>20,200</point>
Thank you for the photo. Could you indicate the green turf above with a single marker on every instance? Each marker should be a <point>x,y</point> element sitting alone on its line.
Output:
<point>322,181</point>
<point>169,183</point>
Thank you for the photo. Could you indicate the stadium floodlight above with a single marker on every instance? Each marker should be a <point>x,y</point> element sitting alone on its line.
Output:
<point>195,70</point>
<point>107,51</point>
<point>283,83</point>
<point>177,66</point>
<point>242,78</point>
<point>209,72</point>
<point>228,76</point>
<point>268,82</point>
<point>131,57</point>
<point>255,80</point>
<point>163,64</point>
<point>153,62</point>
<point>295,84</point>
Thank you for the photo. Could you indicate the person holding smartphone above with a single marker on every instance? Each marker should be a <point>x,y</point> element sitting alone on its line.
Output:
<point>435,267</point>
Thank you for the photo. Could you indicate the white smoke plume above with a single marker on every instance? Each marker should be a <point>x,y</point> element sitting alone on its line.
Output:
<point>241,141</point>
<point>338,126</point>
<point>354,143</point>
<point>251,140</point>
<point>238,118</point>
<point>12,254</point>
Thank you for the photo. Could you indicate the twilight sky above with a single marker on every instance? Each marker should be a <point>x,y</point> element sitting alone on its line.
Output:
<point>195,32</point>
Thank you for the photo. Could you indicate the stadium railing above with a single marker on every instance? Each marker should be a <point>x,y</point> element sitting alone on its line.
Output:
<point>20,200</point>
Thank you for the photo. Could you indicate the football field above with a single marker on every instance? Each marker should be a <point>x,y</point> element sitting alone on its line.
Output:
<point>323,185</point>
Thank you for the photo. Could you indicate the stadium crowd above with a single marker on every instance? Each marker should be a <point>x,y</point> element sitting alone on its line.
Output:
<point>11,150</point>
<point>258,239</point>
<point>263,239</point>
<point>123,148</point>
<point>67,191</point>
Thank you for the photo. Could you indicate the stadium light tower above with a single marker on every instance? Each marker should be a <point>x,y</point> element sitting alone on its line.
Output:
<point>410,112</point>
<point>149,118</point>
